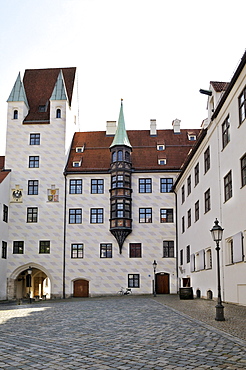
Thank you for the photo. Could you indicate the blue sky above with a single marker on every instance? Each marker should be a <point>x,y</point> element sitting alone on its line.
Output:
<point>155,54</point>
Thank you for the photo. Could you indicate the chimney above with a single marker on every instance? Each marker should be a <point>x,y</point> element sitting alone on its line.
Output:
<point>176,126</point>
<point>153,127</point>
<point>111,128</point>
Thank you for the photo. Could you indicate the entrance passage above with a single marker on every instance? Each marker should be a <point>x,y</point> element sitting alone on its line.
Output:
<point>162,283</point>
<point>81,288</point>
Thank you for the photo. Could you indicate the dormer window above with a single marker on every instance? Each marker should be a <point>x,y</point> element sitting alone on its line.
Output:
<point>79,149</point>
<point>15,115</point>
<point>162,161</point>
<point>160,147</point>
<point>58,113</point>
<point>77,163</point>
<point>191,137</point>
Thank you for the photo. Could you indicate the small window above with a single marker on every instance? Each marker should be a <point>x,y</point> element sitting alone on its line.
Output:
<point>206,160</point>
<point>166,185</point>
<point>77,250</point>
<point>34,139</point>
<point>197,211</point>
<point>145,215</point>
<point>4,249</point>
<point>243,170</point>
<point>196,170</point>
<point>32,187</point>
<point>97,186</point>
<point>75,216</point>
<point>191,137</point>
<point>168,249</point>
<point>188,254</point>
<point>18,247</point>
<point>207,201</point>
<point>208,260</point>
<point>183,224</point>
<point>106,250</point>
<point>189,185</point>
<point>75,186</point>
<point>114,157</point>
<point>96,215</point>
<point>58,113</point>
<point>32,214</point>
<point>166,215</point>
<point>77,164</point>
<point>160,147</point>
<point>225,132</point>
<point>189,218</point>
<point>120,155</point>
<point>181,260</point>
<point>145,185</point>
<point>133,281</point>
<point>5,213</point>
<point>15,115</point>
<point>44,247</point>
<point>183,194</point>
<point>34,162</point>
<point>79,149</point>
<point>228,186</point>
<point>135,250</point>
<point>242,106</point>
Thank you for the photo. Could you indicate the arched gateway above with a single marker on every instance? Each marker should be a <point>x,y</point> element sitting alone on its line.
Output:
<point>29,280</point>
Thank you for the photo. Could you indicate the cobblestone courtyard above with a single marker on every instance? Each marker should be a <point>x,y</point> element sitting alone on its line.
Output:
<point>112,333</point>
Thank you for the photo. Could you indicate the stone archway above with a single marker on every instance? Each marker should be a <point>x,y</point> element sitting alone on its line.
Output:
<point>38,285</point>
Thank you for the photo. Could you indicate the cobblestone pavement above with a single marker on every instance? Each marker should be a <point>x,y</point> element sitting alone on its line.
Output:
<point>112,333</point>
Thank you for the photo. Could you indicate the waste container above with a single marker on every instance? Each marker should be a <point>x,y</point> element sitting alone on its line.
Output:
<point>186,293</point>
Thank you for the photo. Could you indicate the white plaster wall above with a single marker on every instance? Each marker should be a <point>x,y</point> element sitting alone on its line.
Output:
<point>4,199</point>
<point>108,275</point>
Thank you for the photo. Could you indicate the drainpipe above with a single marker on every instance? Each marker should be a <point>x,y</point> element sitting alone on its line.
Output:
<point>64,240</point>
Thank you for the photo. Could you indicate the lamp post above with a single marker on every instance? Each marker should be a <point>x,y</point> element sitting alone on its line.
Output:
<point>154,267</point>
<point>217,233</point>
<point>29,272</point>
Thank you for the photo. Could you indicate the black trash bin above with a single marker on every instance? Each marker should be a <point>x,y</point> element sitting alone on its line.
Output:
<point>186,293</point>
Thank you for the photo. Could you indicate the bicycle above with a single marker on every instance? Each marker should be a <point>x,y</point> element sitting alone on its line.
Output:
<point>124,292</point>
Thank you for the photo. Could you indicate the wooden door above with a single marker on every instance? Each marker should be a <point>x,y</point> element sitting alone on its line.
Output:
<point>162,283</point>
<point>81,288</point>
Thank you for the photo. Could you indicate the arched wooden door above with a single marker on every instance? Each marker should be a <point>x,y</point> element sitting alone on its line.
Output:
<point>162,283</point>
<point>81,288</point>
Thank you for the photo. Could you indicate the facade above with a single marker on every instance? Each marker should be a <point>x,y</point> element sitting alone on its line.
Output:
<point>88,212</point>
<point>212,185</point>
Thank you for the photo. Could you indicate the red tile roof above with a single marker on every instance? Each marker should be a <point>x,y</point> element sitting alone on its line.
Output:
<point>3,173</point>
<point>219,86</point>
<point>96,155</point>
<point>39,85</point>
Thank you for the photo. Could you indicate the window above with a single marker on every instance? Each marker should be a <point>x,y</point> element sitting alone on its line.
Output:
<point>225,132</point>
<point>4,249</point>
<point>166,185</point>
<point>77,164</point>
<point>106,250</point>
<point>188,254</point>
<point>191,137</point>
<point>145,185</point>
<point>120,155</point>
<point>133,281</point>
<point>181,261</point>
<point>96,215</point>
<point>208,260</point>
<point>114,157</point>
<point>243,170</point>
<point>166,215</point>
<point>34,139</point>
<point>33,161</point>
<point>183,193</point>
<point>32,187</point>
<point>5,213</point>
<point>75,216</point>
<point>168,248</point>
<point>97,186</point>
<point>32,214</point>
<point>183,224</point>
<point>15,115</point>
<point>236,248</point>
<point>196,174</point>
<point>242,106</point>
<point>127,156</point>
<point>188,185</point>
<point>58,113</point>
<point>145,215</point>
<point>206,160</point>
<point>79,149</point>
<point>44,247</point>
<point>18,247</point>
<point>207,201</point>
<point>160,147</point>
<point>162,161</point>
<point>197,211</point>
<point>135,250</point>
<point>77,250</point>
<point>75,186</point>
<point>189,218</point>
<point>42,108</point>
<point>228,186</point>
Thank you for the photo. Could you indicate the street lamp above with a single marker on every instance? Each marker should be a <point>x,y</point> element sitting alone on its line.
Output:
<point>217,233</point>
<point>29,273</point>
<point>154,267</point>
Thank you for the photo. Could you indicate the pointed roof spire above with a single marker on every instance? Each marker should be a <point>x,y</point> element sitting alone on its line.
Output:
<point>121,137</point>
<point>59,92</point>
<point>18,92</point>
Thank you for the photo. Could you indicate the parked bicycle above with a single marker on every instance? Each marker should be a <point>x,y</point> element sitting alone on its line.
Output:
<point>124,292</point>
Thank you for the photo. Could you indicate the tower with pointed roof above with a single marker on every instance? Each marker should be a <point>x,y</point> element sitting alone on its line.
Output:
<point>120,191</point>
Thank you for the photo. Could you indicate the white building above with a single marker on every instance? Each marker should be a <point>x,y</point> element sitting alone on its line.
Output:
<point>90,218</point>
<point>212,185</point>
